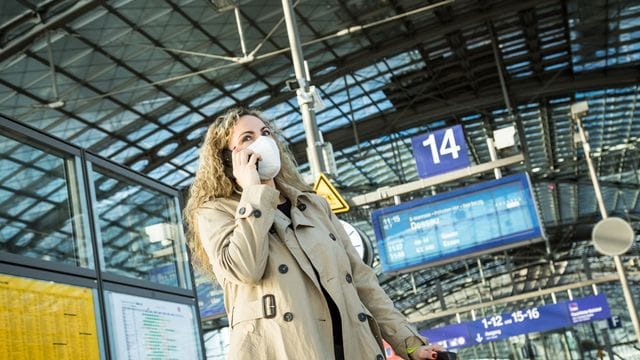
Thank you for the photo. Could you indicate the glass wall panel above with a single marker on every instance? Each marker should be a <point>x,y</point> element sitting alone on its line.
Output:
<point>41,203</point>
<point>210,297</point>
<point>139,230</point>
<point>216,343</point>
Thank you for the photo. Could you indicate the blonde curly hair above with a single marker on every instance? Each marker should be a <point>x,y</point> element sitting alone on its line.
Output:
<point>212,182</point>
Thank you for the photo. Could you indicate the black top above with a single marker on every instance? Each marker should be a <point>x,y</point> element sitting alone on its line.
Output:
<point>285,207</point>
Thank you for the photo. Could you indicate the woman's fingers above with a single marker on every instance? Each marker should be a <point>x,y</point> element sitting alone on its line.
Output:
<point>244,167</point>
<point>253,158</point>
<point>243,157</point>
<point>431,354</point>
<point>239,157</point>
<point>428,352</point>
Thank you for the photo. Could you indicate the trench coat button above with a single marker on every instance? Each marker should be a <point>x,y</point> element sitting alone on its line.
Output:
<point>379,357</point>
<point>362,317</point>
<point>257,213</point>
<point>242,211</point>
<point>348,278</point>
<point>283,269</point>
<point>302,206</point>
<point>333,237</point>
<point>288,316</point>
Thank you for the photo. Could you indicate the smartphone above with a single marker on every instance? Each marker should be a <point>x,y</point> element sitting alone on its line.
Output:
<point>226,158</point>
<point>227,161</point>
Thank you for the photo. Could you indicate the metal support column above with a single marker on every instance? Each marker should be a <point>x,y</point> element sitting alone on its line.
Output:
<point>494,156</point>
<point>565,345</point>
<point>603,212</point>
<point>503,84</point>
<point>305,97</point>
<point>607,343</point>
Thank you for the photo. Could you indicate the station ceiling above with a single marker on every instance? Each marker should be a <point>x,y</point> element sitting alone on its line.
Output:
<point>138,82</point>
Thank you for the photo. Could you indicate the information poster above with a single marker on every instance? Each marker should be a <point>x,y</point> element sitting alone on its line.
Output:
<point>149,329</point>
<point>483,217</point>
<point>535,319</point>
<point>43,320</point>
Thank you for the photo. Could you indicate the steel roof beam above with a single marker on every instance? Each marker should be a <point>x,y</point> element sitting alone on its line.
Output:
<point>529,23</point>
<point>348,64</point>
<point>19,44</point>
<point>524,91</point>
<point>353,62</point>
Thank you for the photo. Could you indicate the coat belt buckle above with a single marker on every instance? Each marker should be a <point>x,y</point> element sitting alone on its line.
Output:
<point>269,306</point>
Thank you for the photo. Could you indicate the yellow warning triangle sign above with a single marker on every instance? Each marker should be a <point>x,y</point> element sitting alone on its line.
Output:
<point>324,188</point>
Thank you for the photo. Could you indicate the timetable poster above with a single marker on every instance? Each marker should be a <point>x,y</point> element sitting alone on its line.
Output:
<point>43,320</point>
<point>149,329</point>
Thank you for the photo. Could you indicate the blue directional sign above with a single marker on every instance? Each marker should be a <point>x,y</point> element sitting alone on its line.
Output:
<point>490,216</point>
<point>440,151</point>
<point>535,319</point>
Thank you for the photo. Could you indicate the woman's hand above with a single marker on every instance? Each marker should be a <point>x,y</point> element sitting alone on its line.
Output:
<point>244,167</point>
<point>426,352</point>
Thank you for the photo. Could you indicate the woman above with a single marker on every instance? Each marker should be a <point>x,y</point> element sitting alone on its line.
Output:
<point>294,286</point>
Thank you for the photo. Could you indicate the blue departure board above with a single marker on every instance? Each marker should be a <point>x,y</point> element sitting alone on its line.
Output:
<point>535,319</point>
<point>485,217</point>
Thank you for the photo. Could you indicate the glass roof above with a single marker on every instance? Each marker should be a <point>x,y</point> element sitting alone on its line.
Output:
<point>138,82</point>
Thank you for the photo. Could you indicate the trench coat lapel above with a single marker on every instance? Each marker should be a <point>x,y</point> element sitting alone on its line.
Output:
<point>285,233</point>
<point>298,198</point>
<point>299,218</point>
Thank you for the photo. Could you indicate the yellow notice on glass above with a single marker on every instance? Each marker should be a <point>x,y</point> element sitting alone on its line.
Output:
<point>43,320</point>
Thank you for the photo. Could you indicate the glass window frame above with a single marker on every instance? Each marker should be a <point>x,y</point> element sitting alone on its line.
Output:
<point>99,281</point>
<point>184,273</point>
<point>75,186</point>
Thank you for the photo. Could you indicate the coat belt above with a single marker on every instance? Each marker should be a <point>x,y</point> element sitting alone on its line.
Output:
<point>258,309</point>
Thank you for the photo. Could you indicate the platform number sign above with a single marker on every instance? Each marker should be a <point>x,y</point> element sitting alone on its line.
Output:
<point>440,151</point>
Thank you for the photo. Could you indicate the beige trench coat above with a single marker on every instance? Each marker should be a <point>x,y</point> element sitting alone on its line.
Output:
<point>265,263</point>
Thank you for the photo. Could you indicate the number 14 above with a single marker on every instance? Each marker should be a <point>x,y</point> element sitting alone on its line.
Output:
<point>448,146</point>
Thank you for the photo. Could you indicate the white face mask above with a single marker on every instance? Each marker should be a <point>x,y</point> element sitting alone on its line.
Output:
<point>269,165</point>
